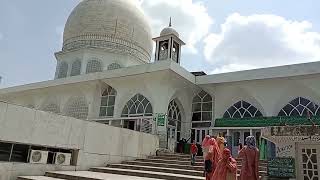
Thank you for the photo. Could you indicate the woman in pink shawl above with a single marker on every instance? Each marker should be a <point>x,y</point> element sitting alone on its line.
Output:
<point>250,160</point>
<point>226,167</point>
<point>213,156</point>
<point>205,145</point>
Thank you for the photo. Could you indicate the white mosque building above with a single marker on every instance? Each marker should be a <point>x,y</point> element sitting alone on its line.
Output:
<point>104,73</point>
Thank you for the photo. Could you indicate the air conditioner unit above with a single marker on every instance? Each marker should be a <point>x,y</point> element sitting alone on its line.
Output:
<point>63,159</point>
<point>38,157</point>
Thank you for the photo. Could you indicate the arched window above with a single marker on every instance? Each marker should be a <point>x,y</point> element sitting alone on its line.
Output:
<point>51,108</point>
<point>174,117</point>
<point>76,68</point>
<point>300,107</point>
<point>94,66</point>
<point>137,106</point>
<point>63,70</point>
<point>242,109</point>
<point>114,66</point>
<point>30,106</point>
<point>108,99</point>
<point>202,108</point>
<point>77,107</point>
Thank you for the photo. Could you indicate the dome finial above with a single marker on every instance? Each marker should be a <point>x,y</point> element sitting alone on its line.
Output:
<point>170,22</point>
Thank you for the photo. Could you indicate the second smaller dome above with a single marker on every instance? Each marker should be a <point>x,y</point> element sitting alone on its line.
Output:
<point>169,30</point>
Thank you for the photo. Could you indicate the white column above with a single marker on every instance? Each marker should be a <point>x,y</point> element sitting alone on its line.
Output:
<point>242,137</point>
<point>228,132</point>
<point>251,132</point>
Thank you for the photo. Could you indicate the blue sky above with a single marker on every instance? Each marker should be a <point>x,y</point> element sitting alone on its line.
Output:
<point>222,35</point>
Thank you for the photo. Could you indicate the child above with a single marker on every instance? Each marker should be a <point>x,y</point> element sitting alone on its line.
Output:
<point>194,152</point>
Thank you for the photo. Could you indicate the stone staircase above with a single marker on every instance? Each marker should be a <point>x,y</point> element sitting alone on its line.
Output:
<point>164,166</point>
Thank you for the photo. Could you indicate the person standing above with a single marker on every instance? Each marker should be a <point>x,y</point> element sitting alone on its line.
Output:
<point>205,145</point>
<point>226,167</point>
<point>250,160</point>
<point>194,152</point>
<point>212,159</point>
<point>220,142</point>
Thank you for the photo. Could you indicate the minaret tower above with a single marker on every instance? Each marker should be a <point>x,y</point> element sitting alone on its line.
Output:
<point>168,45</point>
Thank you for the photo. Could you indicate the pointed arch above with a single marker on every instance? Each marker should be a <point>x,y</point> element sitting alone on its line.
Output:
<point>114,66</point>
<point>300,107</point>
<point>77,107</point>
<point>202,110</point>
<point>108,98</point>
<point>75,68</point>
<point>63,70</point>
<point>51,107</point>
<point>175,116</point>
<point>93,66</point>
<point>138,105</point>
<point>242,109</point>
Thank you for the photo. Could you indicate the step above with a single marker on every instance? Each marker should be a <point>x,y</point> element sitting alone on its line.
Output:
<point>88,175</point>
<point>263,173</point>
<point>156,164</point>
<point>168,161</point>
<point>150,174</point>
<point>198,158</point>
<point>150,168</point>
<point>37,178</point>
<point>261,168</point>
<point>173,154</point>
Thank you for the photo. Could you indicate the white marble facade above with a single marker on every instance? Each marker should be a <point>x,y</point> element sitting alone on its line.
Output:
<point>106,61</point>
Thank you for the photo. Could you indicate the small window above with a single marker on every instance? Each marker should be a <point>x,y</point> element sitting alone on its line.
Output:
<point>77,107</point>
<point>201,124</point>
<point>202,109</point>
<point>114,66</point>
<point>20,153</point>
<point>63,70</point>
<point>5,151</point>
<point>94,66</point>
<point>52,108</point>
<point>300,107</point>
<point>76,68</point>
<point>108,99</point>
<point>242,109</point>
<point>137,106</point>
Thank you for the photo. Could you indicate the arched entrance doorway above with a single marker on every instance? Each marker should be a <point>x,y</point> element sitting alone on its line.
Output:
<point>174,125</point>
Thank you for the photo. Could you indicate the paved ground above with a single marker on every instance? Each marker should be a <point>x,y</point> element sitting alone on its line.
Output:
<point>103,176</point>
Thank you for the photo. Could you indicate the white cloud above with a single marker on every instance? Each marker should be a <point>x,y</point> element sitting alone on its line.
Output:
<point>247,42</point>
<point>190,18</point>
<point>232,68</point>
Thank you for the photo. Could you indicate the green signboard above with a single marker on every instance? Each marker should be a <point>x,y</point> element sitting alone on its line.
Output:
<point>281,168</point>
<point>265,121</point>
<point>161,119</point>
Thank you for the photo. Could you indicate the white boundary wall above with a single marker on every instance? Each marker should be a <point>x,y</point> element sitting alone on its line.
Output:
<point>98,144</point>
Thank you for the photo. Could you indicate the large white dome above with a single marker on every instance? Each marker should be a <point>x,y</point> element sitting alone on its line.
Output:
<point>114,25</point>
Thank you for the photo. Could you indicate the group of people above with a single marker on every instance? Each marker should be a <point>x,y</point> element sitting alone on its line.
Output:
<point>219,163</point>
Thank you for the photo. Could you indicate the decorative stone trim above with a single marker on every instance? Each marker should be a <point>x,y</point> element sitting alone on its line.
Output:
<point>108,43</point>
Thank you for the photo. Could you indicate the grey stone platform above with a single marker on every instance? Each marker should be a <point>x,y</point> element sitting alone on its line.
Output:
<point>163,166</point>
<point>86,175</point>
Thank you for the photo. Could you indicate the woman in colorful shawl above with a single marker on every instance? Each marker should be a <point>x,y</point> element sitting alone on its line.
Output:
<point>205,145</point>
<point>212,159</point>
<point>220,142</point>
<point>226,167</point>
<point>250,160</point>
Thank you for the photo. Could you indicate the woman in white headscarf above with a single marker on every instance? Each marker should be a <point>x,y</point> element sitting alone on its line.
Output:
<point>250,160</point>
